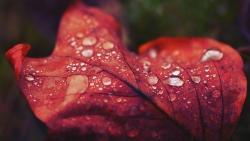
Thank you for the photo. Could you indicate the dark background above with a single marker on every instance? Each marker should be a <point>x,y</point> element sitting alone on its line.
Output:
<point>36,23</point>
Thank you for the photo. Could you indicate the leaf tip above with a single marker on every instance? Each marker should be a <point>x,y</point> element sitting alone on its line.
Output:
<point>16,55</point>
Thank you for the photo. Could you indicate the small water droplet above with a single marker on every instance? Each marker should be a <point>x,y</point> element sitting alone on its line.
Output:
<point>153,53</point>
<point>106,81</point>
<point>174,81</point>
<point>87,53</point>
<point>131,130</point>
<point>216,93</point>
<point>133,110</point>
<point>105,100</point>
<point>166,65</point>
<point>108,45</point>
<point>87,117</point>
<point>91,84</point>
<point>34,100</point>
<point>82,64</point>
<point>118,100</point>
<point>160,92</point>
<point>99,54</point>
<point>214,75</point>
<point>206,68</point>
<point>152,80</point>
<point>89,41</point>
<point>171,97</point>
<point>84,68</point>
<point>30,78</point>
<point>176,72</point>
<point>196,79</point>
<point>79,35</point>
<point>214,55</point>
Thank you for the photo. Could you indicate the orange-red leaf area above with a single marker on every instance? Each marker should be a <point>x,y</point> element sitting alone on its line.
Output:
<point>93,88</point>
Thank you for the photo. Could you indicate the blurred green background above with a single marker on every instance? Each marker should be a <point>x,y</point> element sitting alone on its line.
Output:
<point>24,21</point>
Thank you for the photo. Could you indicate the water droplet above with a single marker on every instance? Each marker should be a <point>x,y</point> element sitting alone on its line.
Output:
<point>214,75</point>
<point>82,64</point>
<point>176,72</point>
<point>206,68</point>
<point>153,53</point>
<point>30,78</point>
<point>152,80</point>
<point>154,134</point>
<point>214,55</point>
<point>118,100</point>
<point>171,97</point>
<point>105,100</point>
<point>99,54</point>
<point>166,65</point>
<point>160,92</point>
<point>108,45</point>
<point>174,81</point>
<point>91,84</point>
<point>196,79</point>
<point>133,110</point>
<point>84,68</point>
<point>106,81</point>
<point>89,41</point>
<point>87,117</point>
<point>87,53</point>
<point>79,35</point>
<point>216,93</point>
<point>131,130</point>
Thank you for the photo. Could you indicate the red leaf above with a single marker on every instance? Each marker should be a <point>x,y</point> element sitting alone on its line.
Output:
<point>93,88</point>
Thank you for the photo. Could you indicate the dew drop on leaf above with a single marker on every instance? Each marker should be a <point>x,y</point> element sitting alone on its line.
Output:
<point>174,81</point>
<point>166,65</point>
<point>106,81</point>
<point>87,53</point>
<point>176,72</point>
<point>108,45</point>
<point>216,93</point>
<point>79,35</point>
<point>89,41</point>
<point>29,78</point>
<point>152,80</point>
<point>214,55</point>
<point>196,79</point>
<point>131,130</point>
<point>153,53</point>
<point>171,97</point>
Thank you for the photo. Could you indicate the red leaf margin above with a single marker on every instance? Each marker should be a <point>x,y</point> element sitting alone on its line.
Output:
<point>60,92</point>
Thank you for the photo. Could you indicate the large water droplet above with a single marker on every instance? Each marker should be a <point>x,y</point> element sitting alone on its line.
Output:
<point>214,55</point>
<point>30,78</point>
<point>216,93</point>
<point>174,81</point>
<point>89,41</point>
<point>106,81</point>
<point>176,72</point>
<point>196,79</point>
<point>87,53</point>
<point>171,97</point>
<point>152,80</point>
<point>131,130</point>
<point>108,45</point>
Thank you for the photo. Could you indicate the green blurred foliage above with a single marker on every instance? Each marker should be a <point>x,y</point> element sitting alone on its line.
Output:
<point>143,20</point>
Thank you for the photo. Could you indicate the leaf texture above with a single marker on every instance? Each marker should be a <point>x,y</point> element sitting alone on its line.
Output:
<point>93,88</point>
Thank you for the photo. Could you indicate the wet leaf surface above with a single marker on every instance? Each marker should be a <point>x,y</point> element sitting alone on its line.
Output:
<point>93,88</point>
